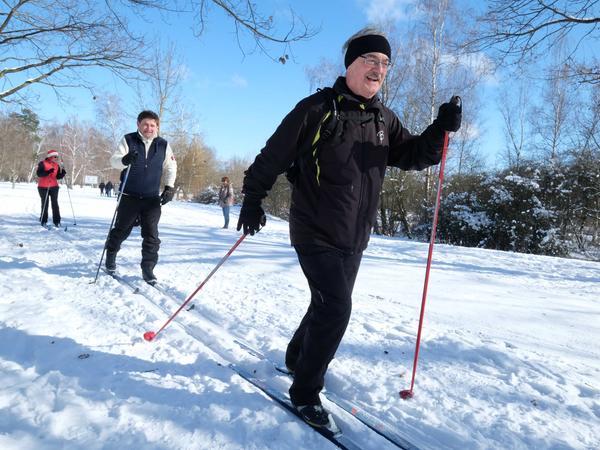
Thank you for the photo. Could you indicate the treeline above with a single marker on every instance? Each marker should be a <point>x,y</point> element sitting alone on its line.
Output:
<point>85,151</point>
<point>546,206</point>
<point>546,209</point>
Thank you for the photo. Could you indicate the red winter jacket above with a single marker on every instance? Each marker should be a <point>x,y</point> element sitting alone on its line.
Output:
<point>48,178</point>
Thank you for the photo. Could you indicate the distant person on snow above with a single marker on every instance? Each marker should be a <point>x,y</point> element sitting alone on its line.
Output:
<point>108,188</point>
<point>101,186</point>
<point>49,172</point>
<point>335,146</point>
<point>149,158</point>
<point>225,199</point>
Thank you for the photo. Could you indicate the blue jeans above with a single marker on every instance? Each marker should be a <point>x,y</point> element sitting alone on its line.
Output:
<point>226,215</point>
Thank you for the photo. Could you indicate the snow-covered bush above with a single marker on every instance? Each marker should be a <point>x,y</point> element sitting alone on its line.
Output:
<point>208,196</point>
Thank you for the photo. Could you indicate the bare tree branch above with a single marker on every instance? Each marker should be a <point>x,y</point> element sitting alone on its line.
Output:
<point>248,22</point>
<point>518,31</point>
<point>52,42</point>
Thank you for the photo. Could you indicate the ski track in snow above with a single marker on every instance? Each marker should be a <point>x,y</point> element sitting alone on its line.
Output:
<point>509,354</point>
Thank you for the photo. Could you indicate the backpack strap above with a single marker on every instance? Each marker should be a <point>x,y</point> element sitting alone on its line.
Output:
<point>325,128</point>
<point>330,120</point>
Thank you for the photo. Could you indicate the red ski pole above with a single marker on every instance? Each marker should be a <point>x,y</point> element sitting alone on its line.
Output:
<point>408,393</point>
<point>150,335</point>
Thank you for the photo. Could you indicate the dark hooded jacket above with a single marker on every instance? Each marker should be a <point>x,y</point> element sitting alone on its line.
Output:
<point>336,193</point>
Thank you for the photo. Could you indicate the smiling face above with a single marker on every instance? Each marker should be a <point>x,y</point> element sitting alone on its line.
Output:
<point>364,79</point>
<point>148,128</point>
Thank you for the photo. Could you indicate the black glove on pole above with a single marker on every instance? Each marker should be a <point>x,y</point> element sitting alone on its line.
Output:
<point>450,115</point>
<point>129,158</point>
<point>252,217</point>
<point>167,195</point>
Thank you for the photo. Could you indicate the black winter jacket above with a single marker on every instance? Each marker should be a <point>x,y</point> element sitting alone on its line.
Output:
<point>335,196</point>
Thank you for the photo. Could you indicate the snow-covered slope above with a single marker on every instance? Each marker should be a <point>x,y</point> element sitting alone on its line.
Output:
<point>509,357</point>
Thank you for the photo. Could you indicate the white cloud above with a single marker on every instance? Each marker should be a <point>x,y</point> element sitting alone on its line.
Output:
<point>238,81</point>
<point>381,11</point>
<point>478,63</point>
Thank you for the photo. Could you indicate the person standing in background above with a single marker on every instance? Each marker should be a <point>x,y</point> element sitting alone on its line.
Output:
<point>49,172</point>
<point>225,198</point>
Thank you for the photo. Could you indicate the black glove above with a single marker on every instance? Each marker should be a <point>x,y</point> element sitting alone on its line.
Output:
<point>167,195</point>
<point>450,115</point>
<point>252,217</point>
<point>50,170</point>
<point>129,158</point>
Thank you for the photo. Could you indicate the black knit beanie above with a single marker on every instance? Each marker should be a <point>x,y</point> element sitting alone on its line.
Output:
<point>370,43</point>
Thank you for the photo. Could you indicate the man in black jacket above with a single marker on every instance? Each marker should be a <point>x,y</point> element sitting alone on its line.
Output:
<point>149,158</point>
<point>352,137</point>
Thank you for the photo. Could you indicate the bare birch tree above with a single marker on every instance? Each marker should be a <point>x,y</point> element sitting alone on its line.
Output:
<point>550,120</point>
<point>160,88</point>
<point>80,147</point>
<point>515,106</point>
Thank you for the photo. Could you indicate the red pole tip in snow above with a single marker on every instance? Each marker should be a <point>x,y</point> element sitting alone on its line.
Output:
<point>406,394</point>
<point>149,335</point>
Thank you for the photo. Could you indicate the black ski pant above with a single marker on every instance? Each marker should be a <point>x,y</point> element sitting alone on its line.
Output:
<point>148,210</point>
<point>331,275</point>
<point>49,196</point>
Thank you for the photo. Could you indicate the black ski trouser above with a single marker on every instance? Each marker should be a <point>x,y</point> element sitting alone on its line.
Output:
<point>330,275</point>
<point>49,196</point>
<point>148,210</point>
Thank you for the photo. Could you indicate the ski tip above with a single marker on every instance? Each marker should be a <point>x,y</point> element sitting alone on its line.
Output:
<point>149,335</point>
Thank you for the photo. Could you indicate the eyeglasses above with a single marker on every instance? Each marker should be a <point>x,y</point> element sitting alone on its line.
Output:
<point>372,61</point>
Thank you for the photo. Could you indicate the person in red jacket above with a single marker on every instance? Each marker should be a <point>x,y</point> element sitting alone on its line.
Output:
<point>49,172</point>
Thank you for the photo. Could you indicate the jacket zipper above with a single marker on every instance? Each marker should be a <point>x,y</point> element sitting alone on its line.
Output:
<point>362,185</point>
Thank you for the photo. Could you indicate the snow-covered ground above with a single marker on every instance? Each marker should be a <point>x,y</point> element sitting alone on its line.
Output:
<point>510,355</point>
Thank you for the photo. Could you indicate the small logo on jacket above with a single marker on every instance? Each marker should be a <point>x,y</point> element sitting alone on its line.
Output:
<point>380,136</point>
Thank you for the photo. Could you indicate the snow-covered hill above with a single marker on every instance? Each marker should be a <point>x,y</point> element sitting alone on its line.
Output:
<point>509,358</point>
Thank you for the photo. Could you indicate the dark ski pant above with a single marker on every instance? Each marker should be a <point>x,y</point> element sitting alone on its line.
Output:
<point>49,196</point>
<point>331,275</point>
<point>148,210</point>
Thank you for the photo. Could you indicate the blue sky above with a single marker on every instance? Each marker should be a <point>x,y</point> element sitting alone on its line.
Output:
<point>238,100</point>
